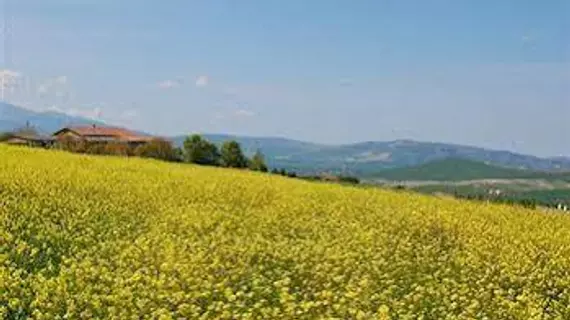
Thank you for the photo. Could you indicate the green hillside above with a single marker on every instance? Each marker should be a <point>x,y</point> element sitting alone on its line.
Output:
<point>545,196</point>
<point>455,169</point>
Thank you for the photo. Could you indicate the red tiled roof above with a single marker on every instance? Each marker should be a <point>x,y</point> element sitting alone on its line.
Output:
<point>97,131</point>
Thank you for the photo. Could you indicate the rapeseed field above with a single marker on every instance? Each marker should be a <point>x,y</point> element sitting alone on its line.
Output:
<point>85,237</point>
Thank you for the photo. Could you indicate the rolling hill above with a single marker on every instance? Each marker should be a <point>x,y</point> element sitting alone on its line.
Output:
<point>457,169</point>
<point>361,159</point>
<point>13,117</point>
<point>271,146</point>
<point>129,238</point>
<point>366,159</point>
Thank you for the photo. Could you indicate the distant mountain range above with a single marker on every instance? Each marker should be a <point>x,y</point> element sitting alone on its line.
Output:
<point>12,117</point>
<point>362,159</point>
<point>368,159</point>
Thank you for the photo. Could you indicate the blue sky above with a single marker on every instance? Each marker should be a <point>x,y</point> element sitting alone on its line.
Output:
<point>487,73</point>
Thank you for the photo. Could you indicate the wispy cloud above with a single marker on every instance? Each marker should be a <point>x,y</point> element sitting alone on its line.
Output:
<point>129,114</point>
<point>53,84</point>
<point>219,115</point>
<point>9,78</point>
<point>60,80</point>
<point>529,39</point>
<point>233,114</point>
<point>202,81</point>
<point>169,84</point>
<point>95,113</point>
<point>5,73</point>
<point>88,113</point>
<point>244,113</point>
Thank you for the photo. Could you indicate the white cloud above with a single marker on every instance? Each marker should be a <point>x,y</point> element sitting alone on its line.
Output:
<point>128,114</point>
<point>53,84</point>
<point>10,74</point>
<point>60,80</point>
<point>9,78</point>
<point>202,81</point>
<point>530,38</point>
<point>244,113</point>
<point>55,108</point>
<point>219,115</point>
<point>94,113</point>
<point>233,114</point>
<point>88,113</point>
<point>43,89</point>
<point>169,84</point>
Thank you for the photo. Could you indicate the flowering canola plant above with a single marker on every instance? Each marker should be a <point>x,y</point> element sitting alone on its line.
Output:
<point>85,237</point>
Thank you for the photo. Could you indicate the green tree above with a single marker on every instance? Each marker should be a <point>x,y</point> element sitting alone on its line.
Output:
<point>27,130</point>
<point>291,174</point>
<point>200,151</point>
<point>117,149</point>
<point>257,162</point>
<point>5,136</point>
<point>179,154</point>
<point>349,179</point>
<point>158,149</point>
<point>95,148</point>
<point>70,144</point>
<point>232,155</point>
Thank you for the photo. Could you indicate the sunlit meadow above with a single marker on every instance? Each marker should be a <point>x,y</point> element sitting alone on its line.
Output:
<point>86,237</point>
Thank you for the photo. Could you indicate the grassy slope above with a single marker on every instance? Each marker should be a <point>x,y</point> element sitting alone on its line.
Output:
<point>556,195</point>
<point>453,169</point>
<point>110,237</point>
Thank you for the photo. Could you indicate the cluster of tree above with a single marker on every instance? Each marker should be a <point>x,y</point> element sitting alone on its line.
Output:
<point>332,178</point>
<point>524,201</point>
<point>527,200</point>
<point>283,172</point>
<point>156,148</point>
<point>527,203</point>
<point>198,150</point>
<point>5,136</point>
<point>195,149</point>
<point>325,177</point>
<point>27,130</point>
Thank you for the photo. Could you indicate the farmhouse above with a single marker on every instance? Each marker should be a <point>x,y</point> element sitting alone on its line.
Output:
<point>28,139</point>
<point>96,133</point>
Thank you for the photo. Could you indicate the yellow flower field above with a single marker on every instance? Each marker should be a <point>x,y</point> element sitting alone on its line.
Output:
<point>86,237</point>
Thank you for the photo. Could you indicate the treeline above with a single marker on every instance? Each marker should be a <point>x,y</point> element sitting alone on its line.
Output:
<point>527,202</point>
<point>524,200</point>
<point>332,178</point>
<point>323,177</point>
<point>195,149</point>
<point>200,151</point>
<point>156,148</point>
